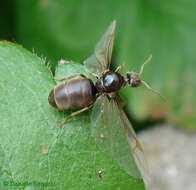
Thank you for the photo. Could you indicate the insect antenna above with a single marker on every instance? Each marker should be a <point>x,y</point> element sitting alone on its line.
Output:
<point>142,67</point>
<point>155,91</point>
<point>147,85</point>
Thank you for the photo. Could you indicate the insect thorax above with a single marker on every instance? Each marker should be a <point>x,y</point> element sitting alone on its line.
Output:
<point>110,82</point>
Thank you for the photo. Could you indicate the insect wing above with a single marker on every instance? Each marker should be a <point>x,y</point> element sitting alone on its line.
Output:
<point>136,148</point>
<point>115,136</point>
<point>104,47</point>
<point>100,60</point>
<point>93,66</point>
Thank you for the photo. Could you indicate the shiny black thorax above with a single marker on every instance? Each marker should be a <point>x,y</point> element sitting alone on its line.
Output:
<point>110,82</point>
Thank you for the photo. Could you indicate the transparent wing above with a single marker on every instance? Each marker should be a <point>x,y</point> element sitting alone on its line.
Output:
<point>116,137</point>
<point>100,60</point>
<point>136,148</point>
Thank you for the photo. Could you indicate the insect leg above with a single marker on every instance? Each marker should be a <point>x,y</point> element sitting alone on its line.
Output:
<point>73,114</point>
<point>121,67</point>
<point>70,77</point>
<point>104,72</point>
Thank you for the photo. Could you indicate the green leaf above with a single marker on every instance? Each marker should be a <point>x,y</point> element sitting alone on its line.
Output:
<point>165,29</point>
<point>33,148</point>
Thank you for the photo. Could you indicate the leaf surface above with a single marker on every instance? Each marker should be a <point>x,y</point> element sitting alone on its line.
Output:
<point>32,146</point>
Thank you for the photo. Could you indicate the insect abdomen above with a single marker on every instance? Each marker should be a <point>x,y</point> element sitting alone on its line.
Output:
<point>73,94</point>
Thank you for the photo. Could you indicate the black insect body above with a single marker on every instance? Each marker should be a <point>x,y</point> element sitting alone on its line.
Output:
<point>74,94</point>
<point>110,126</point>
<point>110,82</point>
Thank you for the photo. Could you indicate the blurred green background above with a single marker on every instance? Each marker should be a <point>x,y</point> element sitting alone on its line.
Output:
<point>70,29</point>
<point>59,29</point>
